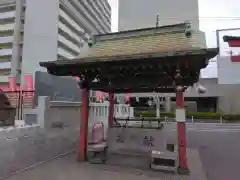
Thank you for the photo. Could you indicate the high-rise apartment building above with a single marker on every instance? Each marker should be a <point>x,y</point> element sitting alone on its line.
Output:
<point>11,32</point>
<point>43,30</point>
<point>135,14</point>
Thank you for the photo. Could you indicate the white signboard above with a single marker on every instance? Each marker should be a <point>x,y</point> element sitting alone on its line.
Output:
<point>228,69</point>
<point>224,48</point>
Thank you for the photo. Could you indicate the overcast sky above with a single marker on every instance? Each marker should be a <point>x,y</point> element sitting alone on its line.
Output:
<point>214,14</point>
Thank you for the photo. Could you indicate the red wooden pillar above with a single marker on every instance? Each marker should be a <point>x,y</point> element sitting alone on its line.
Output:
<point>181,130</point>
<point>110,109</point>
<point>82,147</point>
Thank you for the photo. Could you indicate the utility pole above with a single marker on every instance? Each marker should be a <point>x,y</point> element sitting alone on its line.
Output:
<point>157,21</point>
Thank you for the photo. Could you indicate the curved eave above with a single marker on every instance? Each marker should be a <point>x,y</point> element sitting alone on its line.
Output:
<point>54,67</point>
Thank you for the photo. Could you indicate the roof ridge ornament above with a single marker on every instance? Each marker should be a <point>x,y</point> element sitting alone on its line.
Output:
<point>188,29</point>
<point>91,41</point>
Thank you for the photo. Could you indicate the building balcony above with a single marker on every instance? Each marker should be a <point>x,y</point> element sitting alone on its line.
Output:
<point>6,27</point>
<point>5,59</point>
<point>5,72</point>
<point>70,21</point>
<point>5,52</point>
<point>64,53</point>
<point>7,15</point>
<point>65,32</point>
<point>68,44</point>
<point>6,40</point>
<point>4,79</point>
<point>7,8</point>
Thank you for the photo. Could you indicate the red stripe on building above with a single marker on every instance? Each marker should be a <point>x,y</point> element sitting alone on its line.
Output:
<point>235,58</point>
<point>234,43</point>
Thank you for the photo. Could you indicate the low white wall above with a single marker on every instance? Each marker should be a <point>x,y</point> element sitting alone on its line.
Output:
<point>68,113</point>
<point>65,113</point>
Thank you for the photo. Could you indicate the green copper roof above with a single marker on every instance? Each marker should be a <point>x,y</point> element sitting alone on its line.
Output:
<point>151,40</point>
<point>143,41</point>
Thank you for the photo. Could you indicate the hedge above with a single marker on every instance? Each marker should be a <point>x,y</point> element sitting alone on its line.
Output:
<point>196,115</point>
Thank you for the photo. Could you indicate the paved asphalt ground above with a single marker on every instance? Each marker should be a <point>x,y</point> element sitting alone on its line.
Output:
<point>219,148</point>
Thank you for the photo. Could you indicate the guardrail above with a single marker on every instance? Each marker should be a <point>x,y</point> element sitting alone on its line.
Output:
<point>196,120</point>
<point>139,122</point>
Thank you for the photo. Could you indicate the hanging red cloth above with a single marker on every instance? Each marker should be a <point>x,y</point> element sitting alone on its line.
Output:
<point>127,99</point>
<point>99,95</point>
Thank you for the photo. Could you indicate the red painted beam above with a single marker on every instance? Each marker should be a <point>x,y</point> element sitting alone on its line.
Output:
<point>82,147</point>
<point>110,109</point>
<point>181,130</point>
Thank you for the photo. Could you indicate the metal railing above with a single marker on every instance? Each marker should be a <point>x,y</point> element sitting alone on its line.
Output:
<point>139,122</point>
<point>20,100</point>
